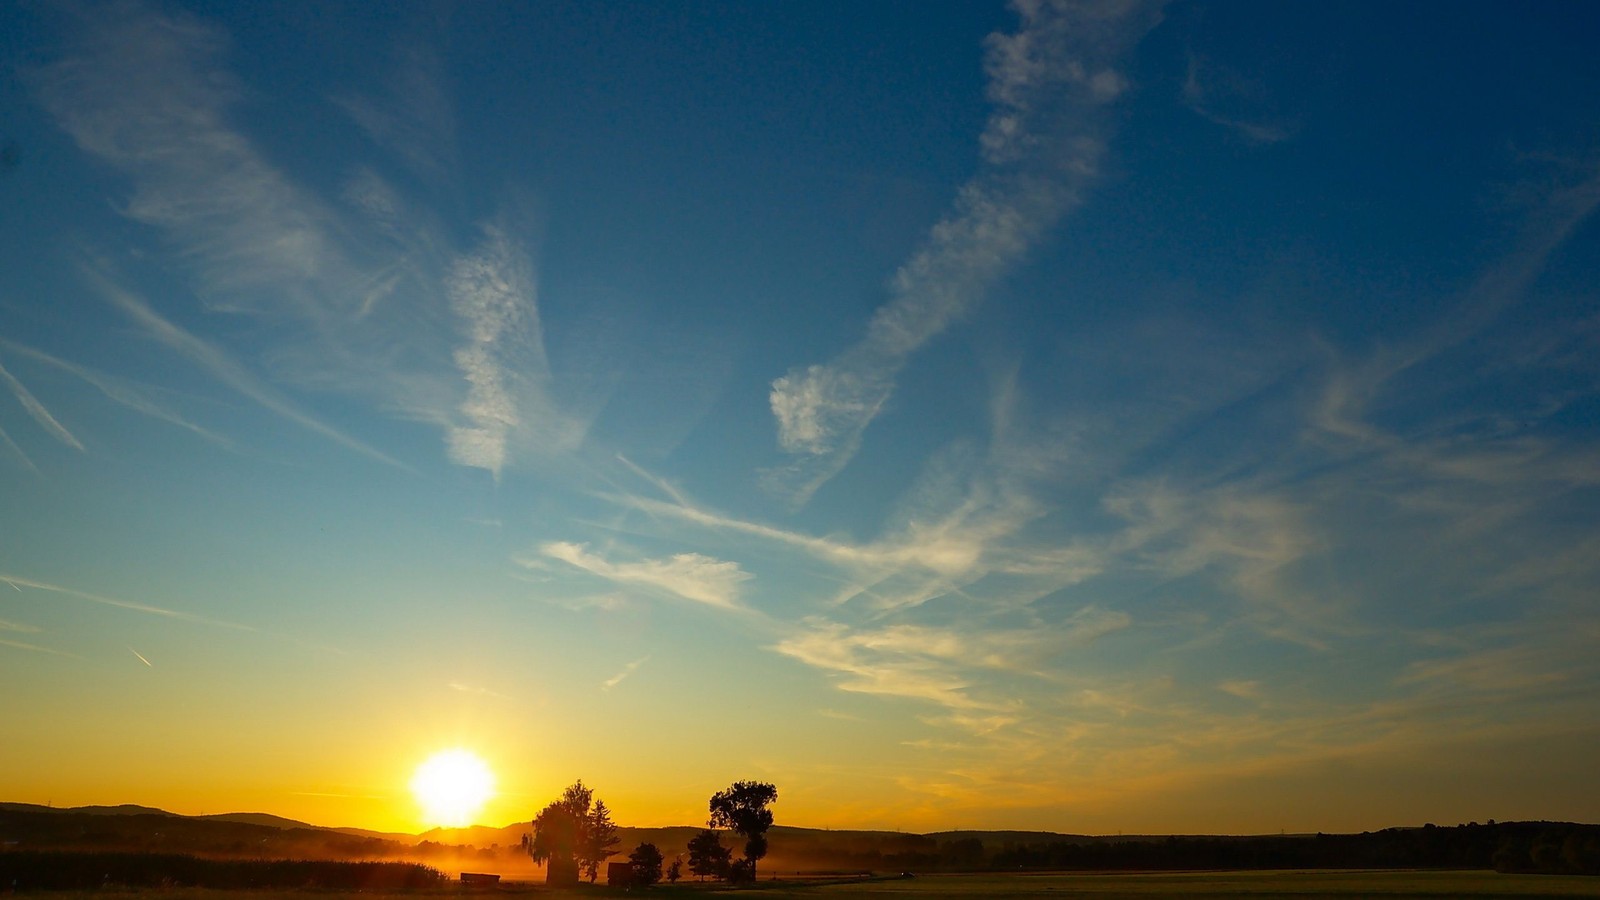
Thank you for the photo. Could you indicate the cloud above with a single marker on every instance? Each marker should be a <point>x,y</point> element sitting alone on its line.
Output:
<point>1351,389</point>
<point>24,645</point>
<point>1090,624</point>
<point>18,451</point>
<point>1529,667</point>
<point>360,294</point>
<point>17,581</point>
<point>828,646</point>
<point>1243,689</point>
<point>1246,538</point>
<point>691,576</point>
<point>501,357</point>
<point>957,559</point>
<point>963,518</point>
<point>38,412</point>
<point>1049,83</point>
<point>223,367</point>
<point>945,665</point>
<point>627,670</point>
<point>416,120</point>
<point>477,689</point>
<point>146,93</point>
<point>1207,87</point>
<point>19,627</point>
<point>118,390</point>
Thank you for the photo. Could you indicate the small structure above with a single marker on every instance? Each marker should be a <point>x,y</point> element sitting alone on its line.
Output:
<point>619,874</point>
<point>480,879</point>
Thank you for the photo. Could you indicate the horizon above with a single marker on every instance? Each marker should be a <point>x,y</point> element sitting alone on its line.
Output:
<point>1103,416</point>
<point>777,826</point>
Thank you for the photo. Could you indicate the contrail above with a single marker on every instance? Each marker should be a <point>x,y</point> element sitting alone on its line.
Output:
<point>38,411</point>
<point>141,657</point>
<point>15,580</point>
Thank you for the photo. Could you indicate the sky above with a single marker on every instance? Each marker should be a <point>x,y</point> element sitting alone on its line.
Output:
<point>1088,417</point>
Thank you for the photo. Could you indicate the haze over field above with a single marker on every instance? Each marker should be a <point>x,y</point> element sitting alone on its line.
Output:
<point>1085,417</point>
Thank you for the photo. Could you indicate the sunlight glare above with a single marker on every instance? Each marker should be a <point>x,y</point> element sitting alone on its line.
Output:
<point>452,786</point>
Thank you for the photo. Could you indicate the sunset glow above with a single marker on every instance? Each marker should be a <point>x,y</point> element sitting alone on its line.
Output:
<point>452,787</point>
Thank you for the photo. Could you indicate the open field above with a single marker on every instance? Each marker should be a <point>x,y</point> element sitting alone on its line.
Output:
<point>1255,884</point>
<point>1259,885</point>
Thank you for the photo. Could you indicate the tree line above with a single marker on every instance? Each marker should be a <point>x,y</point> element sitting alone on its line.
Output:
<point>1527,847</point>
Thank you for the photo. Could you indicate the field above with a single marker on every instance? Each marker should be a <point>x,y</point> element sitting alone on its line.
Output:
<point>1259,885</point>
<point>1255,884</point>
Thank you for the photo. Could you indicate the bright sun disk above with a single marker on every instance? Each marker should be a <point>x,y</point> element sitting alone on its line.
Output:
<point>452,786</point>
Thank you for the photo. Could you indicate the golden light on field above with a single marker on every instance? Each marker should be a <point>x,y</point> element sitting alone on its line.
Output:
<point>452,786</point>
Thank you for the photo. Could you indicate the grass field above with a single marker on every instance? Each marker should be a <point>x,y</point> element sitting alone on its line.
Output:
<point>1387,884</point>
<point>1390,885</point>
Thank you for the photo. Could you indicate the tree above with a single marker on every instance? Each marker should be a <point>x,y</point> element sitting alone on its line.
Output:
<point>646,862</point>
<point>675,871</point>
<point>743,808</point>
<point>572,834</point>
<point>599,842</point>
<point>707,856</point>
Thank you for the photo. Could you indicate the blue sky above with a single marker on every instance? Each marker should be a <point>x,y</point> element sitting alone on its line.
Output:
<point>1093,417</point>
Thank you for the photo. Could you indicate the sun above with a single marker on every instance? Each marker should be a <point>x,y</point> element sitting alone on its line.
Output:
<point>452,786</point>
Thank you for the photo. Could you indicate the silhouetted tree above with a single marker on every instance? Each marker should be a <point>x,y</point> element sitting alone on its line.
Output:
<point>646,862</point>
<point>743,808</point>
<point>572,834</point>
<point>675,871</point>
<point>598,842</point>
<point>707,856</point>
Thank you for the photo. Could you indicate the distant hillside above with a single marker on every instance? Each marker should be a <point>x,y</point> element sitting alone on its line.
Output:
<point>126,809</point>
<point>140,829</point>
<point>1507,846</point>
<point>269,821</point>
<point>263,819</point>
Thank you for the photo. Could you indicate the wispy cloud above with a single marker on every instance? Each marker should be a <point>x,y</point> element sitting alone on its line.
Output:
<point>477,689</point>
<point>146,93</point>
<point>360,293</point>
<point>502,358</point>
<point>18,581</point>
<point>18,451</point>
<point>37,411</point>
<point>118,390</point>
<point>964,519</point>
<point>691,576</point>
<point>1208,88</point>
<point>947,533</point>
<point>1050,82</point>
<point>222,366</point>
<point>1352,389</point>
<point>627,670</point>
<point>864,669</point>
<point>1247,540</point>
<point>939,664</point>
<point>18,627</point>
<point>415,120</point>
<point>1243,689</point>
<point>24,645</point>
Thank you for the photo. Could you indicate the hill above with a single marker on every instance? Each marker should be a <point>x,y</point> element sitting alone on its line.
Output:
<point>1506,846</point>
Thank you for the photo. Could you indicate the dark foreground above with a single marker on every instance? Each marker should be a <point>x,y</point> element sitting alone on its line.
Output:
<point>1259,885</point>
